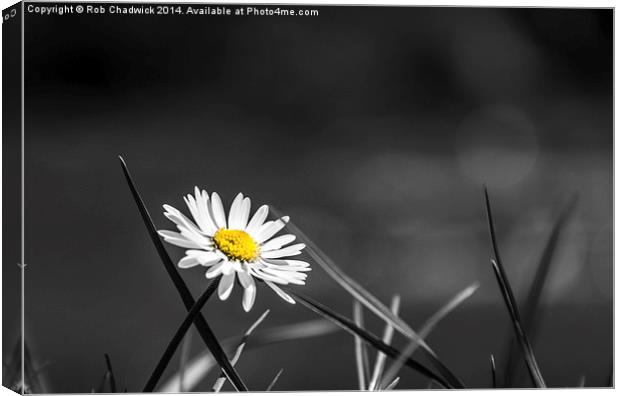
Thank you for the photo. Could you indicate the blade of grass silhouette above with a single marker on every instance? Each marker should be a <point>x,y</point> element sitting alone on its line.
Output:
<point>371,339</point>
<point>369,300</point>
<point>510,302</point>
<point>201,323</point>
<point>493,372</point>
<point>427,328</point>
<point>273,382</point>
<point>179,335</point>
<point>392,384</point>
<point>532,301</point>
<point>388,333</point>
<point>361,353</point>
<point>217,386</point>
<point>111,378</point>
<point>199,367</point>
<point>183,359</point>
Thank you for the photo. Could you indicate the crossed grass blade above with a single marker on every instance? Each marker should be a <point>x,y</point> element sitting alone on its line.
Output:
<point>199,367</point>
<point>392,384</point>
<point>275,379</point>
<point>509,299</point>
<point>201,323</point>
<point>371,339</point>
<point>179,335</point>
<point>426,329</point>
<point>361,352</point>
<point>388,333</point>
<point>370,301</point>
<point>217,386</point>
<point>532,301</point>
<point>493,371</point>
<point>111,378</point>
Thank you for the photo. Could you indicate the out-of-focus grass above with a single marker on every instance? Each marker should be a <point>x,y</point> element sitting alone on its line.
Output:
<point>426,329</point>
<point>511,303</point>
<point>217,386</point>
<point>370,301</point>
<point>388,333</point>
<point>532,301</point>
<point>371,339</point>
<point>199,367</point>
<point>361,353</point>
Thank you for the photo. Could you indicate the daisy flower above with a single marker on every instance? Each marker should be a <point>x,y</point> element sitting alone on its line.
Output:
<point>237,247</point>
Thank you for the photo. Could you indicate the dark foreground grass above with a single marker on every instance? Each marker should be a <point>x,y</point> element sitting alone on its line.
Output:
<point>440,374</point>
<point>201,323</point>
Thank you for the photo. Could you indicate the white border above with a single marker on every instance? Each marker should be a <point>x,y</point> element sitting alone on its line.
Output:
<point>479,3</point>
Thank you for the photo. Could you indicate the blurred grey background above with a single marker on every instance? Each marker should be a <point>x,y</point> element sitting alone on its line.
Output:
<point>374,128</point>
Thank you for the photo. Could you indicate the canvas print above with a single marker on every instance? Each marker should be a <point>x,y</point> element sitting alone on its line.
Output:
<point>284,197</point>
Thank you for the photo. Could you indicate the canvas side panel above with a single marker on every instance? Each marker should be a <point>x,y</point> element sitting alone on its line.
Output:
<point>11,196</point>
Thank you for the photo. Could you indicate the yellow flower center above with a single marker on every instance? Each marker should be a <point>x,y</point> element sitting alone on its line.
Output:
<point>236,244</point>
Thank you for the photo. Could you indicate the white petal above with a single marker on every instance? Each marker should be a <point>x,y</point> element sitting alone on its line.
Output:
<point>260,274</point>
<point>292,250</point>
<point>244,278</point>
<point>249,295</point>
<point>192,236</point>
<point>291,277</point>
<point>234,215</point>
<point>200,211</point>
<point>228,268</point>
<point>278,242</point>
<point>205,258</point>
<point>177,239</point>
<point>175,215</point>
<point>245,213</point>
<point>292,265</point>
<point>203,204</point>
<point>217,209</point>
<point>215,270</point>
<point>269,231</point>
<point>273,263</point>
<point>225,286</point>
<point>281,293</point>
<point>257,220</point>
<point>188,262</point>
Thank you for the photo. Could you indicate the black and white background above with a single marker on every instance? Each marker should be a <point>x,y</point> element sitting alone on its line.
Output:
<point>374,128</point>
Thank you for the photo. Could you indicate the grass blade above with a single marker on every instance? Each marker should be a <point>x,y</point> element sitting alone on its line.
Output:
<point>528,353</point>
<point>361,353</point>
<point>393,384</point>
<point>532,301</point>
<point>427,328</point>
<point>199,367</point>
<point>184,358</point>
<point>217,386</point>
<point>582,382</point>
<point>179,335</point>
<point>493,372</point>
<point>371,339</point>
<point>273,382</point>
<point>111,378</point>
<point>388,333</point>
<point>370,301</point>
<point>511,303</point>
<point>201,323</point>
